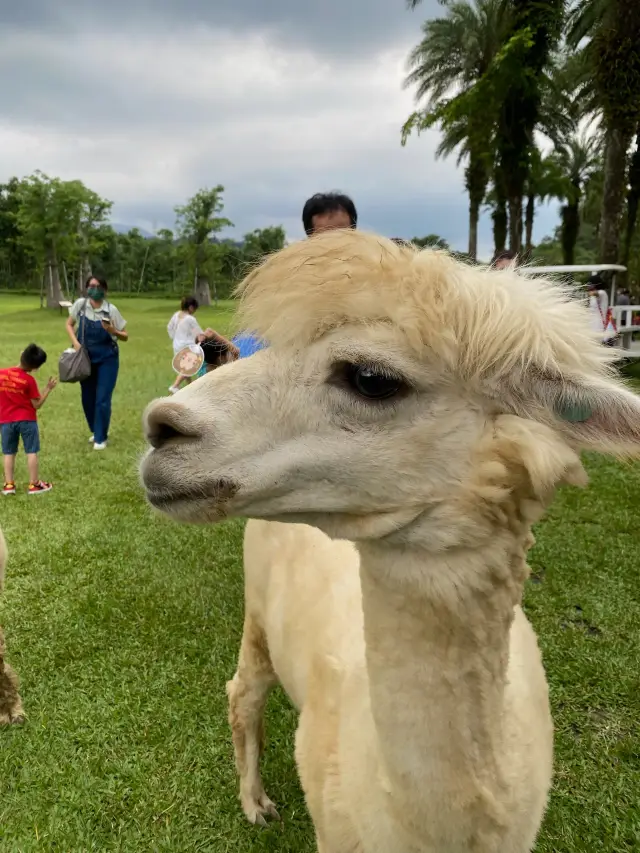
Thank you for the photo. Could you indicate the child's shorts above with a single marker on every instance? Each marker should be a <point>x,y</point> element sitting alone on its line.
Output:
<point>11,434</point>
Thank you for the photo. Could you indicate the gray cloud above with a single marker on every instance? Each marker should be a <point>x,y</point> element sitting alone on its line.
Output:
<point>333,26</point>
<point>147,102</point>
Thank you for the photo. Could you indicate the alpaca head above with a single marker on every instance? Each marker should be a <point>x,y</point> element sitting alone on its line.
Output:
<point>402,394</point>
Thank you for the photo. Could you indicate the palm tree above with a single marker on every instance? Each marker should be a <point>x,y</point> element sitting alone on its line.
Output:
<point>578,159</point>
<point>497,55</point>
<point>536,26</point>
<point>457,136</point>
<point>543,182</point>
<point>455,53</point>
<point>431,241</point>
<point>591,204</point>
<point>544,177</point>
<point>609,62</point>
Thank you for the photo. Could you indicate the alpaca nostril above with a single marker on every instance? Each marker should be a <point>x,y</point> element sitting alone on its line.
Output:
<point>164,433</point>
<point>169,422</point>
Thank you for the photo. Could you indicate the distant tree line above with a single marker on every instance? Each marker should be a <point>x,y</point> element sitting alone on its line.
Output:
<point>55,233</point>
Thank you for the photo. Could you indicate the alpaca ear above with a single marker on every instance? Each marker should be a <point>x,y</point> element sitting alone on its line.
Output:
<point>601,415</point>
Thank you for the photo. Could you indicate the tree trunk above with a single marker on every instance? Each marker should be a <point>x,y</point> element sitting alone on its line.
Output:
<point>515,224</point>
<point>633,199</point>
<point>144,264</point>
<point>84,271</point>
<point>615,172</point>
<point>499,215</point>
<point>52,280</point>
<point>500,226</point>
<point>474,215</point>
<point>529,219</point>
<point>201,288</point>
<point>476,181</point>
<point>202,292</point>
<point>570,216</point>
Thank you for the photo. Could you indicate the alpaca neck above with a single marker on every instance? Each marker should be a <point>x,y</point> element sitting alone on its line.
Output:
<point>437,646</point>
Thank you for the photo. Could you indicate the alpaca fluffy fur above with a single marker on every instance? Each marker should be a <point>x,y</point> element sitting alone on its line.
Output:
<point>386,551</point>
<point>483,324</point>
<point>522,340</point>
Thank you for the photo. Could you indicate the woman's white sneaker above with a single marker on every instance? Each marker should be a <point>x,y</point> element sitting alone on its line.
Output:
<point>102,445</point>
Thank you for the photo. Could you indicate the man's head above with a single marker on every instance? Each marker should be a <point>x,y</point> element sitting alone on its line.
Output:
<point>324,211</point>
<point>32,358</point>
<point>504,259</point>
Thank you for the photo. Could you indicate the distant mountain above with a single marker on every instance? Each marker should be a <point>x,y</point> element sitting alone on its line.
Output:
<point>237,243</point>
<point>124,229</point>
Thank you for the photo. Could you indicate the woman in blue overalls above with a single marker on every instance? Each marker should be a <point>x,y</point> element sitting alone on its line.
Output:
<point>100,327</point>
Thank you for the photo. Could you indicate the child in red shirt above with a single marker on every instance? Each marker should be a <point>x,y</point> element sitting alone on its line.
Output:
<point>20,398</point>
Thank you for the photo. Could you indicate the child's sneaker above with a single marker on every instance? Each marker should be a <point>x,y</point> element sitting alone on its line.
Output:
<point>9,489</point>
<point>102,445</point>
<point>91,439</point>
<point>40,486</point>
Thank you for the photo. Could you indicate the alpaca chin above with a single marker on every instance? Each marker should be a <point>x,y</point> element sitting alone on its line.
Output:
<point>196,501</point>
<point>191,507</point>
<point>191,511</point>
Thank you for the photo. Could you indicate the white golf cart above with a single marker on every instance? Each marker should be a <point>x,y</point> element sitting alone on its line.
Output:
<point>623,315</point>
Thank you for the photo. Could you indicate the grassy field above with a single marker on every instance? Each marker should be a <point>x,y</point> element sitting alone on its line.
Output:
<point>125,627</point>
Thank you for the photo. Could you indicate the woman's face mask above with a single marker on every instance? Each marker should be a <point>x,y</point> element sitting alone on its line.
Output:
<point>96,293</point>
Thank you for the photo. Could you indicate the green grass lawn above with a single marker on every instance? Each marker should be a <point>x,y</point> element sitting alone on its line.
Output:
<point>124,629</point>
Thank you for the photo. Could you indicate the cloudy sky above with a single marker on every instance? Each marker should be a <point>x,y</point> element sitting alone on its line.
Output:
<point>146,101</point>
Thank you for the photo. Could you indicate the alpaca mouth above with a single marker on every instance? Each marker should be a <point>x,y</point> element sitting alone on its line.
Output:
<point>190,498</point>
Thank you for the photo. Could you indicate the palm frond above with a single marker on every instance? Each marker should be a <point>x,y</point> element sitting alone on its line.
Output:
<point>583,19</point>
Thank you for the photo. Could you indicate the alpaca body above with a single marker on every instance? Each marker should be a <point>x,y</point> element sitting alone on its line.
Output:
<point>11,710</point>
<point>426,411</point>
<point>303,593</point>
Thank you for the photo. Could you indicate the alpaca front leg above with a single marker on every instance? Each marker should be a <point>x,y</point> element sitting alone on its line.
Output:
<point>248,692</point>
<point>11,710</point>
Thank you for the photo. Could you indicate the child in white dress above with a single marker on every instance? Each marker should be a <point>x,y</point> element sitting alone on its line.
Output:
<point>183,329</point>
<point>599,307</point>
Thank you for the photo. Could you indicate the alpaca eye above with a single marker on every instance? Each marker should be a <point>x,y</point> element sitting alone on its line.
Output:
<point>372,383</point>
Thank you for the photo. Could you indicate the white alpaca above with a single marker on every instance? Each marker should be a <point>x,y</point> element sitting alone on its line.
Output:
<point>11,710</point>
<point>426,411</point>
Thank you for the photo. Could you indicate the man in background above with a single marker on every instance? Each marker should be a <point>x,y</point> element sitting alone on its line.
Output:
<point>623,297</point>
<point>321,212</point>
<point>325,211</point>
